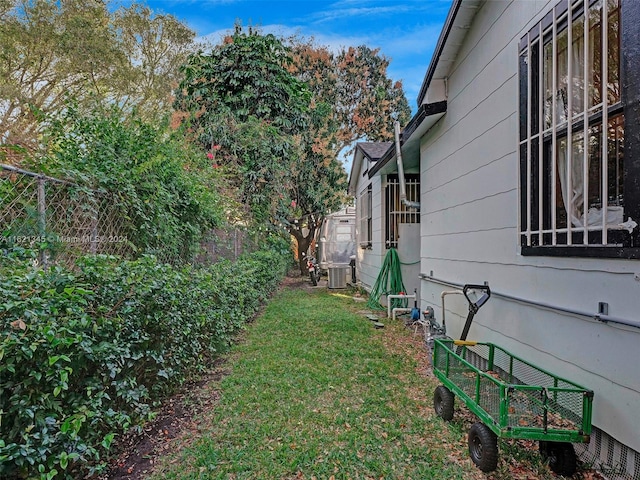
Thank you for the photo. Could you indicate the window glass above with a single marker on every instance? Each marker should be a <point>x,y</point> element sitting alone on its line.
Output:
<point>613,47</point>
<point>576,187</point>
<point>547,70</point>
<point>615,166</point>
<point>577,66</point>
<point>364,208</point>
<point>396,211</point>
<point>534,175</point>
<point>595,54</point>
<point>595,166</point>
<point>535,97</point>
<point>524,113</point>
<point>561,176</point>
<point>562,70</point>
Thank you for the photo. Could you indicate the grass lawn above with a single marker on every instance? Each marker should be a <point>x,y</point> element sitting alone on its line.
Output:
<point>312,390</point>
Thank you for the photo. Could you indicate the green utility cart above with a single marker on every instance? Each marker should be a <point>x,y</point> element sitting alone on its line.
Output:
<point>513,399</point>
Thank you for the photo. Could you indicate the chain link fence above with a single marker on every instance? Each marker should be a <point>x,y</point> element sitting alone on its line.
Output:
<point>63,221</point>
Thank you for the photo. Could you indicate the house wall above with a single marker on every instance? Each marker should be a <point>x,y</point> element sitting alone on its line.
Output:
<point>469,234</point>
<point>409,256</point>
<point>369,261</point>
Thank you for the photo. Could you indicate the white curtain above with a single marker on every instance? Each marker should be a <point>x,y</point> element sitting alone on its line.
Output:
<point>574,200</point>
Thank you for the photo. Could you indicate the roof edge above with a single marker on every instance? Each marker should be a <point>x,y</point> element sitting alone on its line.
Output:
<point>442,40</point>
<point>358,155</point>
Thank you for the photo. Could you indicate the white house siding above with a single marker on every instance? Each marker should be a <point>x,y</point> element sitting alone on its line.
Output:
<point>469,234</point>
<point>369,261</point>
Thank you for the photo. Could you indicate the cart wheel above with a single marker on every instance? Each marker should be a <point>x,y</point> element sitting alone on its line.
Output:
<point>443,402</point>
<point>483,447</point>
<point>561,457</point>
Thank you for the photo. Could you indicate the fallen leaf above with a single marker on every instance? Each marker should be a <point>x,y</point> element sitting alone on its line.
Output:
<point>19,324</point>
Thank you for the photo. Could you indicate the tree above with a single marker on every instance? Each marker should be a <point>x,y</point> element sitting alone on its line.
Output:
<point>319,183</point>
<point>281,115</point>
<point>245,76</point>
<point>162,191</point>
<point>365,102</point>
<point>318,189</point>
<point>155,47</point>
<point>241,99</point>
<point>352,98</point>
<point>52,51</point>
<point>48,54</point>
<point>369,101</point>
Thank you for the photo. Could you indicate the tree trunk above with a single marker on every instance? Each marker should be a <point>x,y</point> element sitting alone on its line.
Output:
<point>303,242</point>
<point>303,247</point>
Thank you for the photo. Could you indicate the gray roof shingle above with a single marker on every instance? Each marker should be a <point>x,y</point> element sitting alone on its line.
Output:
<point>374,150</point>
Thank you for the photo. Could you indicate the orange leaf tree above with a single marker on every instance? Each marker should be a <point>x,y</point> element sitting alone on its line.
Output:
<point>352,98</point>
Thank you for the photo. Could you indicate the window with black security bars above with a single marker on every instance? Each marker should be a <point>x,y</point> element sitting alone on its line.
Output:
<point>396,212</point>
<point>575,134</point>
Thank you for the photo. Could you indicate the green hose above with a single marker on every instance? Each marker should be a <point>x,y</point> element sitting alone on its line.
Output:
<point>389,282</point>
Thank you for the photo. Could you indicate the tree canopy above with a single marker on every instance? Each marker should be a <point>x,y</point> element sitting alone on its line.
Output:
<point>241,99</point>
<point>352,87</point>
<point>352,98</point>
<point>281,112</point>
<point>52,51</point>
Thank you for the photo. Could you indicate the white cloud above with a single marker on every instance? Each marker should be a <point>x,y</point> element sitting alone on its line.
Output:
<point>331,41</point>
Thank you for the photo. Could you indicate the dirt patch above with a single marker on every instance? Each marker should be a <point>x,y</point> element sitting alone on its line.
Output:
<point>135,453</point>
<point>295,280</point>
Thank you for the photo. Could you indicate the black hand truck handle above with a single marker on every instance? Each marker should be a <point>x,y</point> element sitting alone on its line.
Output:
<point>475,306</point>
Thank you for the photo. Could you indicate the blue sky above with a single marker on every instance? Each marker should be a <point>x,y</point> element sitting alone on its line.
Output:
<point>405,31</point>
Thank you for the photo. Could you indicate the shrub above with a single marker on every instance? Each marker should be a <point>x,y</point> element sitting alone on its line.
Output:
<point>163,190</point>
<point>85,355</point>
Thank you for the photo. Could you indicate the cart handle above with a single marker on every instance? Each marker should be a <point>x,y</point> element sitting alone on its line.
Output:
<point>465,343</point>
<point>475,306</point>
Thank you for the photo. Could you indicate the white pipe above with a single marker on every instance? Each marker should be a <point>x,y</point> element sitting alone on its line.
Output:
<point>403,187</point>
<point>390,297</point>
<point>594,316</point>
<point>444,294</point>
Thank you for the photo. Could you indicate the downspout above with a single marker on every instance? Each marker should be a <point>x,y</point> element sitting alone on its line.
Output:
<point>403,187</point>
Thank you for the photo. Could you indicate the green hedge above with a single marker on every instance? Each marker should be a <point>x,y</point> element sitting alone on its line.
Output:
<point>84,355</point>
